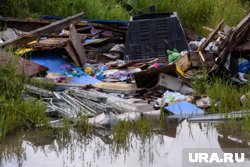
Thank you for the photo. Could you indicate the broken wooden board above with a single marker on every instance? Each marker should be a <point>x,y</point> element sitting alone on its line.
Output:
<point>117,87</point>
<point>76,43</point>
<point>25,67</point>
<point>234,39</point>
<point>49,43</point>
<point>53,27</point>
<point>183,63</point>
<point>210,37</point>
<point>27,20</point>
<point>72,54</point>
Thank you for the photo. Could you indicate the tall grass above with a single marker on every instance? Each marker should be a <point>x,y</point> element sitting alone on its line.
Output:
<point>225,97</point>
<point>141,128</point>
<point>14,111</point>
<point>96,9</point>
<point>193,13</point>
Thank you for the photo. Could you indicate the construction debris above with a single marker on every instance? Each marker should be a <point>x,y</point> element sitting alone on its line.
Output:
<point>118,71</point>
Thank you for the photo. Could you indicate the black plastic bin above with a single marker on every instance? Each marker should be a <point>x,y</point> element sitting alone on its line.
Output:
<point>150,36</point>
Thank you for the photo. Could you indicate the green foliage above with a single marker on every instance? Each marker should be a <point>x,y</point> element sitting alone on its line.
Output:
<point>18,113</point>
<point>122,129</point>
<point>225,97</point>
<point>228,96</point>
<point>194,14</point>
<point>11,84</point>
<point>83,125</point>
<point>14,111</point>
<point>96,9</point>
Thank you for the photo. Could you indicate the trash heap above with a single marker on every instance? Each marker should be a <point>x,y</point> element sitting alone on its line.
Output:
<point>113,71</point>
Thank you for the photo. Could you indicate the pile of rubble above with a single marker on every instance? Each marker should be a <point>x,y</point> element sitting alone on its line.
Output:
<point>115,70</point>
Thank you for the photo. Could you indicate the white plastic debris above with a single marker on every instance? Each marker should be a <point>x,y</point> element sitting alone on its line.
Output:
<point>101,120</point>
<point>203,102</point>
<point>245,97</point>
<point>129,116</point>
<point>169,97</point>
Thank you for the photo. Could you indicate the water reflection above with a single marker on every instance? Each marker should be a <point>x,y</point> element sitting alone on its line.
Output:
<point>72,148</point>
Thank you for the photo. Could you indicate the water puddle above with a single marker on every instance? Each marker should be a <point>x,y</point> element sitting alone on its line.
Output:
<point>71,148</point>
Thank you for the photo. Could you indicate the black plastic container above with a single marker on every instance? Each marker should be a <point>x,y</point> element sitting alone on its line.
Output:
<point>150,36</point>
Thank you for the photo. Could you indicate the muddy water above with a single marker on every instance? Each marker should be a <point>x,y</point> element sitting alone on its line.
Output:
<point>71,148</point>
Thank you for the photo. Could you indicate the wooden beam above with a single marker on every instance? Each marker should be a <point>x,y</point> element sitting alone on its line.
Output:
<point>53,27</point>
<point>27,20</point>
<point>120,29</point>
<point>210,37</point>
<point>72,53</point>
<point>75,40</point>
<point>234,39</point>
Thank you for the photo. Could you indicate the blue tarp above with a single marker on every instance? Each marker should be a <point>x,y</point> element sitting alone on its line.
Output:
<point>184,109</point>
<point>54,63</point>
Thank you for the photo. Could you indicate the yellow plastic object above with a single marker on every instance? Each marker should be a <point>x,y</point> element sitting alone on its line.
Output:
<point>33,42</point>
<point>89,70</point>
<point>178,69</point>
<point>21,51</point>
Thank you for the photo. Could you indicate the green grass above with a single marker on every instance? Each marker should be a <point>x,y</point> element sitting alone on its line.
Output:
<point>14,111</point>
<point>194,14</point>
<point>224,92</point>
<point>121,130</point>
<point>83,125</point>
<point>96,9</point>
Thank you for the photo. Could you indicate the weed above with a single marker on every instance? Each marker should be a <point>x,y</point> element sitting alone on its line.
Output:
<point>122,129</point>
<point>194,14</point>
<point>83,125</point>
<point>14,111</point>
<point>228,96</point>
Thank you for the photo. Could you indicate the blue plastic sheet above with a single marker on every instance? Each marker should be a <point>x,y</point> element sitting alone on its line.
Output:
<point>55,62</point>
<point>184,109</point>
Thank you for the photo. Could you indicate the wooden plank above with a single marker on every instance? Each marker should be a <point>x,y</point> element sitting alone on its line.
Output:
<point>53,27</point>
<point>49,43</point>
<point>72,54</point>
<point>237,36</point>
<point>201,56</point>
<point>183,63</point>
<point>210,37</point>
<point>75,40</point>
<point>120,29</point>
<point>27,20</point>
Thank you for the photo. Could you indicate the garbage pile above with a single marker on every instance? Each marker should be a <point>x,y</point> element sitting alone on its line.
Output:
<point>226,50</point>
<point>111,70</point>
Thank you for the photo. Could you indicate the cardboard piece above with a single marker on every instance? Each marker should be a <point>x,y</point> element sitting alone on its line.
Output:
<point>173,83</point>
